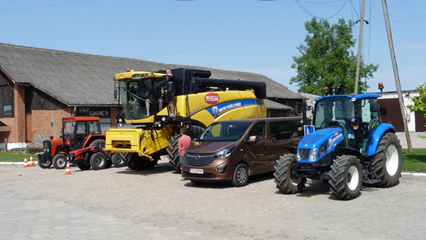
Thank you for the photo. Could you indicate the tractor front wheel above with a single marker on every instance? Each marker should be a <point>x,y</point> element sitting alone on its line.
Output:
<point>83,165</point>
<point>44,164</point>
<point>346,177</point>
<point>387,163</point>
<point>59,161</point>
<point>98,161</point>
<point>283,179</point>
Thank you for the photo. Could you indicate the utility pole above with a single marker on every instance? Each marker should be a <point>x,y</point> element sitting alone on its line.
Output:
<point>396,74</point>
<point>358,62</point>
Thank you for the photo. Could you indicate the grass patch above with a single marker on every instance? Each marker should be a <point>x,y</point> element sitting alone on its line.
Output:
<point>12,156</point>
<point>414,161</point>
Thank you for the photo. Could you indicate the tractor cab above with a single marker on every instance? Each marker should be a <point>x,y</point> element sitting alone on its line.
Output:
<point>75,130</point>
<point>354,116</point>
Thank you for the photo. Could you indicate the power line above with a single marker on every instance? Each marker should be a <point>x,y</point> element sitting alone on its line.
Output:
<point>298,2</point>
<point>223,46</point>
<point>354,8</point>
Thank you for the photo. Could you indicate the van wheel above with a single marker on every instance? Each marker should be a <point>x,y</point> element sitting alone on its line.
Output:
<point>241,175</point>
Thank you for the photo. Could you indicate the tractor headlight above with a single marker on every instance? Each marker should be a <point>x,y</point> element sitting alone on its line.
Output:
<point>298,157</point>
<point>226,152</point>
<point>313,156</point>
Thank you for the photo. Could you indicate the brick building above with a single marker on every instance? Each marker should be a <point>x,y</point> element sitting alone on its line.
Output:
<point>38,87</point>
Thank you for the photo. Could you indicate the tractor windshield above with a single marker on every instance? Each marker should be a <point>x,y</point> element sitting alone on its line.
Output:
<point>142,98</point>
<point>334,111</point>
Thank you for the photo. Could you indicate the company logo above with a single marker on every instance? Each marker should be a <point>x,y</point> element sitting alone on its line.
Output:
<point>212,98</point>
<point>336,133</point>
<point>215,111</point>
<point>197,156</point>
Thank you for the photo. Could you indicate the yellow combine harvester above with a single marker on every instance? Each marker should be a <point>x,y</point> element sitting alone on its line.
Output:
<point>198,101</point>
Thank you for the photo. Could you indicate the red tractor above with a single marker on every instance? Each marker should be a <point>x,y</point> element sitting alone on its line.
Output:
<point>81,142</point>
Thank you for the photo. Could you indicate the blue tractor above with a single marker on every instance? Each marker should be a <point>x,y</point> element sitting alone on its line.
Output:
<point>347,145</point>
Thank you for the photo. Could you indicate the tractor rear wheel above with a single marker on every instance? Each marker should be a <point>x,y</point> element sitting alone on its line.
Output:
<point>98,161</point>
<point>135,162</point>
<point>283,180</point>
<point>98,143</point>
<point>346,177</point>
<point>387,163</point>
<point>59,161</point>
<point>118,160</point>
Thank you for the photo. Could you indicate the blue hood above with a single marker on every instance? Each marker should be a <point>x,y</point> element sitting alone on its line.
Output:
<point>329,136</point>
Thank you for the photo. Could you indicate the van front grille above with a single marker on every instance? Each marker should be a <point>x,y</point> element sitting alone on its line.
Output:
<point>199,159</point>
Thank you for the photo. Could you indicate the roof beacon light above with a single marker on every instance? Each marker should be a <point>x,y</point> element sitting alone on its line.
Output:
<point>381,86</point>
<point>128,70</point>
<point>326,91</point>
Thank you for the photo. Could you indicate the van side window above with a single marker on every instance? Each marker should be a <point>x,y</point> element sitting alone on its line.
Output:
<point>285,129</point>
<point>258,130</point>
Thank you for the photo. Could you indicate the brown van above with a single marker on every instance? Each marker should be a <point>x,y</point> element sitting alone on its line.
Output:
<point>233,150</point>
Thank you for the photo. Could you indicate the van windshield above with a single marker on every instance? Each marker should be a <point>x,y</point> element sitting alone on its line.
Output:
<point>224,131</point>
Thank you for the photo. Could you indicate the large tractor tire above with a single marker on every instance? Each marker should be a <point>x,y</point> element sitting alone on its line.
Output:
<point>173,152</point>
<point>98,161</point>
<point>135,162</point>
<point>118,160</point>
<point>173,148</point>
<point>285,183</point>
<point>98,143</point>
<point>59,161</point>
<point>44,164</point>
<point>387,163</point>
<point>346,177</point>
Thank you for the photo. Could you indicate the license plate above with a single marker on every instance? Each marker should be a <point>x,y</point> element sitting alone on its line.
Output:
<point>196,171</point>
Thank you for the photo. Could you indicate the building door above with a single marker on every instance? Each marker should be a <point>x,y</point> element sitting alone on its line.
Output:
<point>393,113</point>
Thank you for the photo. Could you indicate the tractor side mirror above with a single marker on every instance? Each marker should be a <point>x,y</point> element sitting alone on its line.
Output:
<point>383,111</point>
<point>116,97</point>
<point>374,104</point>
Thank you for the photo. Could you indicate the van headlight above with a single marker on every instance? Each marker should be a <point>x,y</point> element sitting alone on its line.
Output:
<point>313,156</point>
<point>226,152</point>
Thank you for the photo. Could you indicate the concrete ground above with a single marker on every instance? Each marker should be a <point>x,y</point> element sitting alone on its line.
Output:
<point>416,141</point>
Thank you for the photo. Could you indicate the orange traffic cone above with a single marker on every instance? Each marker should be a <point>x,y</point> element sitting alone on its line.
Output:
<point>68,170</point>
<point>26,163</point>
<point>31,164</point>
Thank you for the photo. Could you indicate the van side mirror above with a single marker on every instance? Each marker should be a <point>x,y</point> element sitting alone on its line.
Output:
<point>252,139</point>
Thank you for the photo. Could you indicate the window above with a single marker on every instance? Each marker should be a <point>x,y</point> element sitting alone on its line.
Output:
<point>285,129</point>
<point>7,109</point>
<point>258,130</point>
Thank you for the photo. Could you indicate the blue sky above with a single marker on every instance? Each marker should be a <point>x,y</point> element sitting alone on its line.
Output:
<point>243,35</point>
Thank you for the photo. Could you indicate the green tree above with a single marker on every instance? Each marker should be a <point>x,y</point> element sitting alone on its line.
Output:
<point>327,60</point>
<point>419,106</point>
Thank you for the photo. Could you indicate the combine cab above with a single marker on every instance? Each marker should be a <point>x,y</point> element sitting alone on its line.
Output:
<point>198,101</point>
<point>347,146</point>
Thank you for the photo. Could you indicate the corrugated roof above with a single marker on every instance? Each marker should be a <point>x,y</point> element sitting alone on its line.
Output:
<point>77,79</point>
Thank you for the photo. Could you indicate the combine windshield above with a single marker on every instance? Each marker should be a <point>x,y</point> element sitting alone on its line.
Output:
<point>224,131</point>
<point>142,98</point>
<point>333,111</point>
